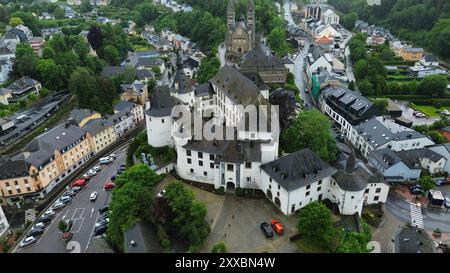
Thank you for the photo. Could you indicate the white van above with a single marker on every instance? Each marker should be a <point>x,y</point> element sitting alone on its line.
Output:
<point>105,160</point>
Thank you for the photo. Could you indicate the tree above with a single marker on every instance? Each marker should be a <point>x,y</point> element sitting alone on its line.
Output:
<point>395,88</point>
<point>220,247</point>
<point>315,221</point>
<point>366,87</point>
<point>15,21</point>
<point>348,20</point>
<point>382,105</point>
<point>111,55</point>
<point>4,15</point>
<point>277,42</point>
<point>58,13</point>
<point>311,129</point>
<point>132,199</point>
<point>387,54</point>
<point>25,62</point>
<point>427,183</point>
<point>50,74</point>
<point>351,85</point>
<point>434,85</point>
<point>286,103</point>
<point>85,6</point>
<point>95,37</point>
<point>157,71</point>
<point>129,74</point>
<point>208,68</point>
<point>62,226</point>
<point>354,242</point>
<point>361,69</point>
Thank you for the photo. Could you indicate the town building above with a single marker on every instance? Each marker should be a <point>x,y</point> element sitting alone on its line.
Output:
<point>135,109</point>
<point>329,17</point>
<point>261,60</point>
<point>381,132</point>
<point>102,132</point>
<point>136,92</point>
<point>37,44</point>
<point>412,53</point>
<point>83,116</point>
<point>241,36</point>
<point>44,163</point>
<point>23,87</point>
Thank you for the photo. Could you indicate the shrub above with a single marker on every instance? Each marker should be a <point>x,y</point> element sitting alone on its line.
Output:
<point>221,190</point>
<point>239,192</point>
<point>220,247</point>
<point>165,243</point>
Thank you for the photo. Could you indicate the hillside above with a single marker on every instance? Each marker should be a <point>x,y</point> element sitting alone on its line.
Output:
<point>425,23</point>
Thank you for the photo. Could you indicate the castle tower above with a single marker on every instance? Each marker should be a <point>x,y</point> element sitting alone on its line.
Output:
<point>251,23</point>
<point>230,24</point>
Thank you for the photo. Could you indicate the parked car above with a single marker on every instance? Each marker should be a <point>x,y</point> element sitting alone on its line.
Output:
<point>267,230</point>
<point>80,182</point>
<point>105,160</point>
<point>447,202</point>
<point>113,156</point>
<point>45,219</point>
<point>109,185</point>
<point>86,176</point>
<point>113,178</point>
<point>65,199</point>
<point>100,230</point>
<point>69,193</point>
<point>440,182</point>
<point>76,190</point>
<point>58,205</point>
<point>28,241</point>
<point>102,222</point>
<point>93,196</point>
<point>103,216</point>
<point>49,212</point>
<point>97,169</point>
<point>103,209</point>
<point>277,227</point>
<point>36,232</point>
<point>39,225</point>
<point>417,191</point>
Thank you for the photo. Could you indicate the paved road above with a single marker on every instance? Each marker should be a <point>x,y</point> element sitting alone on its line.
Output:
<point>300,77</point>
<point>82,211</point>
<point>432,219</point>
<point>348,65</point>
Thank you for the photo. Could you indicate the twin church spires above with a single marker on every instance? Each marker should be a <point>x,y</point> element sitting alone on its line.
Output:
<point>241,35</point>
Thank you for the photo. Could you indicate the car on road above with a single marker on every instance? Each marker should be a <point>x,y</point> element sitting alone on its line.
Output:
<point>28,241</point>
<point>105,160</point>
<point>36,232</point>
<point>103,216</point>
<point>58,205</point>
<point>113,178</point>
<point>277,226</point>
<point>86,176</point>
<point>102,222</point>
<point>93,196</point>
<point>161,194</point>
<point>69,193</point>
<point>267,230</point>
<point>97,168</point>
<point>109,185</point>
<point>80,182</point>
<point>440,182</point>
<point>103,209</point>
<point>39,225</point>
<point>65,199</point>
<point>45,219</point>
<point>100,230</point>
<point>447,202</point>
<point>49,212</point>
<point>306,90</point>
<point>113,156</point>
<point>76,190</point>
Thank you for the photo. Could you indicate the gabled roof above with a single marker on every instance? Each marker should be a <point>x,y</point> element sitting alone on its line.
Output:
<point>298,169</point>
<point>111,71</point>
<point>79,114</point>
<point>161,102</point>
<point>124,106</point>
<point>287,60</point>
<point>181,83</point>
<point>262,58</point>
<point>237,87</point>
<point>97,125</point>
<point>203,89</point>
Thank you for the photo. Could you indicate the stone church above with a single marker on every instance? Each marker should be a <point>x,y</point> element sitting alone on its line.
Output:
<point>241,35</point>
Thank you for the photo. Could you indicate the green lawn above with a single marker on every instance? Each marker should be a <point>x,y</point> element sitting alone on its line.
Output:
<point>311,245</point>
<point>428,110</point>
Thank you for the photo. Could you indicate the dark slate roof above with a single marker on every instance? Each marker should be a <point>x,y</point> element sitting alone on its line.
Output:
<point>97,125</point>
<point>412,157</point>
<point>232,151</point>
<point>136,86</point>
<point>387,158</point>
<point>261,58</point>
<point>141,74</point>
<point>407,241</point>
<point>238,87</point>
<point>430,58</point>
<point>348,103</point>
<point>287,60</point>
<point>377,133</point>
<point>42,148</point>
<point>414,49</point>
<point>79,114</point>
<point>124,106</point>
<point>144,239</point>
<point>13,168</point>
<point>21,85</point>
<point>358,179</point>
<point>149,62</point>
<point>111,71</point>
<point>183,81</point>
<point>5,51</point>
<point>4,91</point>
<point>203,89</point>
<point>298,169</point>
<point>255,77</point>
<point>161,102</point>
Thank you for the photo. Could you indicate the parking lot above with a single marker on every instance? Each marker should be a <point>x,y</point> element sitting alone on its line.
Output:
<point>408,113</point>
<point>82,211</point>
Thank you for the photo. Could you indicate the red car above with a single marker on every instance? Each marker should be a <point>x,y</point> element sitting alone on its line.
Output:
<point>109,185</point>
<point>81,182</point>
<point>277,227</point>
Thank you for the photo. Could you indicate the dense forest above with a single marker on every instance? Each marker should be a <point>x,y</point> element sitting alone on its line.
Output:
<point>425,23</point>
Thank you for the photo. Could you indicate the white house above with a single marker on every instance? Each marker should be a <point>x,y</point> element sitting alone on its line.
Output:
<point>330,17</point>
<point>289,64</point>
<point>381,132</point>
<point>4,225</point>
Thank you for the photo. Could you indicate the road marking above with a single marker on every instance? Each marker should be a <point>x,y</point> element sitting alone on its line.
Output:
<point>92,233</point>
<point>79,216</point>
<point>79,226</point>
<point>92,212</point>
<point>48,228</point>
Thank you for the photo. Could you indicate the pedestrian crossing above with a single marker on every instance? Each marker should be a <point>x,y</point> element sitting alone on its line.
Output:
<point>30,215</point>
<point>416,215</point>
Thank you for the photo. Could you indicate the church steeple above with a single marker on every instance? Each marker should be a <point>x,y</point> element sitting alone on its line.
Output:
<point>230,13</point>
<point>350,166</point>
<point>251,23</point>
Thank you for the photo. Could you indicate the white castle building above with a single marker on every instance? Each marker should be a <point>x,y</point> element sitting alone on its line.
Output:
<point>219,141</point>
